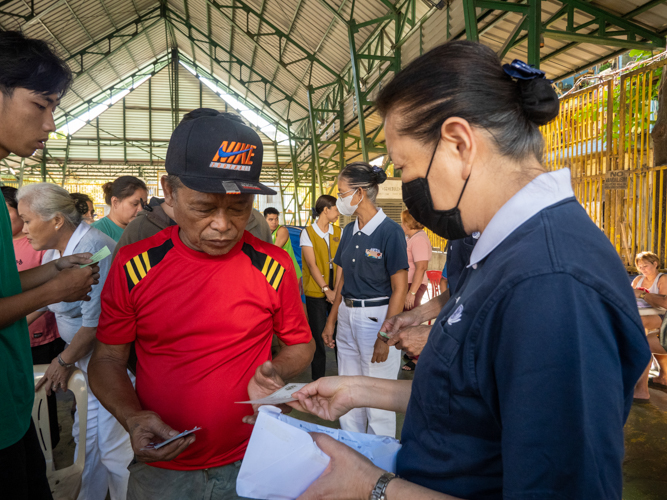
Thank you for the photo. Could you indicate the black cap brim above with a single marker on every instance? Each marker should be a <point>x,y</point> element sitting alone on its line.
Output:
<point>226,186</point>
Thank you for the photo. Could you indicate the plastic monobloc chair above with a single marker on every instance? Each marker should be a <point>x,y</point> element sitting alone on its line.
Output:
<point>65,483</point>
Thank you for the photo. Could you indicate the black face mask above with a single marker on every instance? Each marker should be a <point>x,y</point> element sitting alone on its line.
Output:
<point>417,197</point>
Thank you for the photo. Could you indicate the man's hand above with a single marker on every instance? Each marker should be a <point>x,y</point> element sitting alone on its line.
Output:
<point>74,260</point>
<point>146,427</point>
<point>328,397</point>
<point>380,352</point>
<point>327,336</point>
<point>74,283</point>
<point>265,382</point>
<point>349,475</point>
<point>396,323</point>
<point>411,339</point>
<point>55,377</point>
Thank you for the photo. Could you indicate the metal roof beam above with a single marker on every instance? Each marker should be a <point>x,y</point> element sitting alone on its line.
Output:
<point>277,31</point>
<point>114,34</point>
<point>233,58</point>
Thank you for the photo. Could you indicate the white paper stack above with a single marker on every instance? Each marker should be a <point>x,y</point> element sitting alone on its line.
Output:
<point>282,460</point>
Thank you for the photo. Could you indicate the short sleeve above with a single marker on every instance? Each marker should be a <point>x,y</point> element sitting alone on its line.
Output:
<point>552,354</point>
<point>338,258</point>
<point>117,323</point>
<point>396,250</point>
<point>90,310</point>
<point>304,240</point>
<point>289,320</point>
<point>421,249</point>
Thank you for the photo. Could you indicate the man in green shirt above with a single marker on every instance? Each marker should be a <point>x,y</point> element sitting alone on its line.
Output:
<point>32,81</point>
<point>280,236</point>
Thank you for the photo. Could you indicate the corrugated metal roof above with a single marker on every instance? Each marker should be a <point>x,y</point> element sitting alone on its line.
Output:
<point>104,44</point>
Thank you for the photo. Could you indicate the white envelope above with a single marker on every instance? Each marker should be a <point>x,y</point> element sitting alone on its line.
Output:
<point>282,460</point>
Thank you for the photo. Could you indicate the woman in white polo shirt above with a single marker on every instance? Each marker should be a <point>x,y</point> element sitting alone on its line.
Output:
<point>319,243</point>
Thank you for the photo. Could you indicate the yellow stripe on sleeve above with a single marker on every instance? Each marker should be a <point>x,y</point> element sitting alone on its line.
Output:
<point>140,266</point>
<point>269,275</point>
<point>266,265</point>
<point>278,277</point>
<point>130,271</point>
<point>146,261</point>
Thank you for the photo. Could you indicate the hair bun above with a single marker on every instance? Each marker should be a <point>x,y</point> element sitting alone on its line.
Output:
<point>81,206</point>
<point>539,100</point>
<point>379,175</point>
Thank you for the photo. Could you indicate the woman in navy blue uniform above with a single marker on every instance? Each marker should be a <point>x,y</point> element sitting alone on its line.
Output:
<point>526,380</point>
<point>373,283</point>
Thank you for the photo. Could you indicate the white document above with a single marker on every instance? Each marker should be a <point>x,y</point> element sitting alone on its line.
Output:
<point>282,395</point>
<point>282,460</point>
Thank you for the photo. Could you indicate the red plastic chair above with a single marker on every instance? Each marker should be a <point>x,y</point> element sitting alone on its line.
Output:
<point>434,279</point>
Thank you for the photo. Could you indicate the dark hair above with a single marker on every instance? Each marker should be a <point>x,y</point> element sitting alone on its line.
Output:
<point>364,175</point>
<point>199,112</point>
<point>81,202</point>
<point>122,187</point>
<point>10,196</point>
<point>31,64</point>
<point>271,211</point>
<point>324,201</point>
<point>466,79</point>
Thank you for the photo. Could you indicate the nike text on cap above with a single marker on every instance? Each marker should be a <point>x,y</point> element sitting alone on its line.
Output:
<point>215,154</point>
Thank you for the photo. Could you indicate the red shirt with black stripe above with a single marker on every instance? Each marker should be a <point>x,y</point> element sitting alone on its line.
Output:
<point>202,325</point>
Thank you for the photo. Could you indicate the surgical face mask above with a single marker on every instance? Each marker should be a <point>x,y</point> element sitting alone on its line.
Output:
<point>345,206</point>
<point>417,197</point>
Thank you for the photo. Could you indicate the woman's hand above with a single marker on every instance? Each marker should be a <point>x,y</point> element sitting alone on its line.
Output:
<point>331,295</point>
<point>349,475</point>
<point>639,291</point>
<point>380,352</point>
<point>327,335</point>
<point>327,397</point>
<point>409,300</point>
<point>55,378</point>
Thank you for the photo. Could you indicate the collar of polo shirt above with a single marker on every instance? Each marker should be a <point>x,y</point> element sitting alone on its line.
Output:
<point>543,191</point>
<point>372,224</point>
<point>319,232</point>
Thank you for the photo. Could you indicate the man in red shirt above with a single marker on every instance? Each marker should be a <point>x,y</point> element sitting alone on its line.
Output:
<point>201,301</point>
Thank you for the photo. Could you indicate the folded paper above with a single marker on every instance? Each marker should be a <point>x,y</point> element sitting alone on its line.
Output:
<point>282,460</point>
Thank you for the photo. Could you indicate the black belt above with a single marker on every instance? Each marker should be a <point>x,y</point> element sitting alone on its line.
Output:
<point>366,303</point>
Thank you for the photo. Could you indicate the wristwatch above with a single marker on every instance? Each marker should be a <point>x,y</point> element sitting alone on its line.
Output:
<point>325,288</point>
<point>378,492</point>
<point>63,364</point>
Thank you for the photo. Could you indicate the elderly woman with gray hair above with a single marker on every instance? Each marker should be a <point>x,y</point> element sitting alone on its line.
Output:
<point>52,222</point>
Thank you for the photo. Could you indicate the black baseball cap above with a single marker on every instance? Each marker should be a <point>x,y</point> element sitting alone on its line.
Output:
<point>213,152</point>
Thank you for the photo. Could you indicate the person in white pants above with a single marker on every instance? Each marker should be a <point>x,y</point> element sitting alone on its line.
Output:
<point>53,222</point>
<point>373,284</point>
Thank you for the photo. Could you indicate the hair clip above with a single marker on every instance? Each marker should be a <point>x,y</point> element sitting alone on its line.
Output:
<point>522,71</point>
<point>377,169</point>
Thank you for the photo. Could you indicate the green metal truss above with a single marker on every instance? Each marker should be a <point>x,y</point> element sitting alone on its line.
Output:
<point>610,29</point>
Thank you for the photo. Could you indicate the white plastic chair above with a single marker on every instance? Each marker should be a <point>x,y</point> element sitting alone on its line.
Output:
<point>65,483</point>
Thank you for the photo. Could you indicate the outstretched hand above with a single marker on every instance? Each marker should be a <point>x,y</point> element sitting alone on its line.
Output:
<point>327,397</point>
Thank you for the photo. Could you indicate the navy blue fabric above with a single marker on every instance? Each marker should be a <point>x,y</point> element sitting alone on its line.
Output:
<point>527,378</point>
<point>367,276</point>
<point>458,257</point>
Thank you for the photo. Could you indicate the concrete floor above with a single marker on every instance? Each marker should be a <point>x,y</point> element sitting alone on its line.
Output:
<point>644,468</point>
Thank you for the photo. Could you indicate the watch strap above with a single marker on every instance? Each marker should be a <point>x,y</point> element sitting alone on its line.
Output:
<point>378,492</point>
<point>63,364</point>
